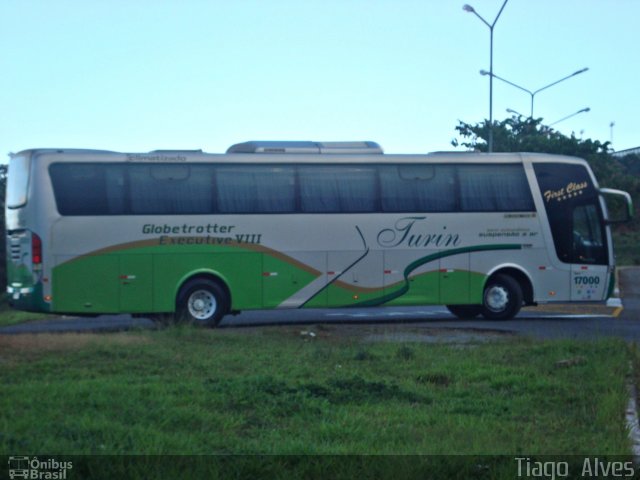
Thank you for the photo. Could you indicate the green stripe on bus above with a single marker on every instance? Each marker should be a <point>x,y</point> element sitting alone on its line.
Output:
<point>430,258</point>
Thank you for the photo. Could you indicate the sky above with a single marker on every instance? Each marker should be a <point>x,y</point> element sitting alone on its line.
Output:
<point>140,75</point>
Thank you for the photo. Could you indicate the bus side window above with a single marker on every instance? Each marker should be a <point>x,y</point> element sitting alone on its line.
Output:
<point>337,189</point>
<point>80,189</point>
<point>498,188</point>
<point>418,188</point>
<point>255,189</point>
<point>170,189</point>
<point>115,190</point>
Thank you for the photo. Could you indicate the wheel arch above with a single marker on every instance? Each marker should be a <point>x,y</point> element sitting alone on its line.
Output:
<point>519,275</point>
<point>205,275</point>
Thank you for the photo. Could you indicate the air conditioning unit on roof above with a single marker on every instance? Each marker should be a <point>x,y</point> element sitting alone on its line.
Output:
<point>306,147</point>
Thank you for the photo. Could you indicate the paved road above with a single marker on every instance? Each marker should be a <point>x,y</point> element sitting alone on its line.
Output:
<point>630,290</point>
<point>587,324</point>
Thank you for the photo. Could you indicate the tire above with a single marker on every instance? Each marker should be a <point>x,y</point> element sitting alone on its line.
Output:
<point>465,312</point>
<point>202,302</point>
<point>502,298</point>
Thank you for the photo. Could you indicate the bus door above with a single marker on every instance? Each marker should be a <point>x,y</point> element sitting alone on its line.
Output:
<point>406,281</point>
<point>578,228</point>
<point>355,277</point>
<point>589,270</point>
<point>85,284</point>
<point>300,280</point>
<point>135,283</point>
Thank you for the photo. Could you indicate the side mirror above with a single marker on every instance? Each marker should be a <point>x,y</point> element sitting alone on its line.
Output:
<point>626,209</point>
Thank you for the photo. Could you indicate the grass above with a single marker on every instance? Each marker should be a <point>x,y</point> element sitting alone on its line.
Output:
<point>626,247</point>
<point>9,316</point>
<point>271,391</point>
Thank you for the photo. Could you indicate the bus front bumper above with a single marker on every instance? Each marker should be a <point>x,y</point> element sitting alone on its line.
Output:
<point>27,298</point>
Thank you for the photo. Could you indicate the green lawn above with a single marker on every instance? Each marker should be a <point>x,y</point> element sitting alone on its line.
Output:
<point>272,391</point>
<point>9,316</point>
<point>626,247</point>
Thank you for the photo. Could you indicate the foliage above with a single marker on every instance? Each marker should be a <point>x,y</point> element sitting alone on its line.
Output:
<point>631,163</point>
<point>519,134</point>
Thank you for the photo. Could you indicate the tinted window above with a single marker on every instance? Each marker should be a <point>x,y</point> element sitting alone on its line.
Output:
<point>183,189</point>
<point>81,189</point>
<point>116,189</point>
<point>334,189</point>
<point>573,209</point>
<point>418,188</point>
<point>251,189</point>
<point>494,188</point>
<point>170,189</point>
<point>588,236</point>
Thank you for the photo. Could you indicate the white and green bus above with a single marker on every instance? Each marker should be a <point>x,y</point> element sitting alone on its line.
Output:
<point>303,225</point>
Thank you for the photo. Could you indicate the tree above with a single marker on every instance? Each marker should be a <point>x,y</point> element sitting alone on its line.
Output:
<point>632,163</point>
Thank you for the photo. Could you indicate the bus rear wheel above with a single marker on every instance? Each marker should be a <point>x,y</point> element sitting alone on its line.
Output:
<point>202,302</point>
<point>502,298</point>
<point>465,311</point>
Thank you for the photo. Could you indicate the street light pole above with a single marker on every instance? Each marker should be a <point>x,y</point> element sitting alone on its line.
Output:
<point>470,9</point>
<point>584,110</point>
<point>533,94</point>
<point>611,125</point>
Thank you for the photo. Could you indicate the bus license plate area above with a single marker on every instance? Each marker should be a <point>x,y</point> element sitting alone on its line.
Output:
<point>588,283</point>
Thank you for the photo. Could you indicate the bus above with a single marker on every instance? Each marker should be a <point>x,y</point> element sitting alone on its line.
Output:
<point>266,225</point>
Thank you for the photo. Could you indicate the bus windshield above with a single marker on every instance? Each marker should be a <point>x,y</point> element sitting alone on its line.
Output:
<point>575,217</point>
<point>18,181</point>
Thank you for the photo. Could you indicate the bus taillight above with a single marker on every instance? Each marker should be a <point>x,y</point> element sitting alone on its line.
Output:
<point>36,249</point>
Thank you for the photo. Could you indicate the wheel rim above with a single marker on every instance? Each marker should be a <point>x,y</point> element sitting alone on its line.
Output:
<point>202,304</point>
<point>496,298</point>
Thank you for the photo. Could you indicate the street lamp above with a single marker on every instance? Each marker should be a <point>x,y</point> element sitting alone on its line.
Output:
<point>584,110</point>
<point>533,94</point>
<point>511,110</point>
<point>470,9</point>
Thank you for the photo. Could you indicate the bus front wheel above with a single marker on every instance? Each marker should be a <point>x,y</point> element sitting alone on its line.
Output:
<point>502,298</point>
<point>202,302</point>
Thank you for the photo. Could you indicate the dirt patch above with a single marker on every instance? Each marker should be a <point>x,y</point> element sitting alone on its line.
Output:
<point>51,342</point>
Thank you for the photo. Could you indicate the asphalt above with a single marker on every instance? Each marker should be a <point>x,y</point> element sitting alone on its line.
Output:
<point>583,322</point>
<point>629,279</point>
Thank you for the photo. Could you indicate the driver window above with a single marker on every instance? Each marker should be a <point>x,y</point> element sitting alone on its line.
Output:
<point>588,243</point>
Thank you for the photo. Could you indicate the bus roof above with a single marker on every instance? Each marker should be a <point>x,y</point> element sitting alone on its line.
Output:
<point>289,152</point>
